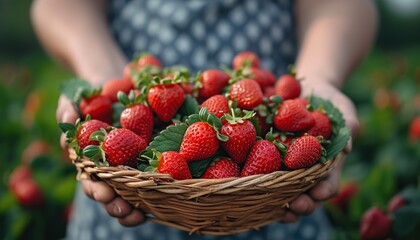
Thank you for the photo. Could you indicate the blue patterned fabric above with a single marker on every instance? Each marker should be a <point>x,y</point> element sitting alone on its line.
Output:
<point>201,35</point>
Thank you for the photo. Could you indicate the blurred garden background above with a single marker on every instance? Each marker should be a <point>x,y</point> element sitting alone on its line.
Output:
<point>385,161</point>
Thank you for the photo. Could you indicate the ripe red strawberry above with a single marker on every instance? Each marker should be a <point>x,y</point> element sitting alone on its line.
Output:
<point>292,116</point>
<point>264,127</point>
<point>165,100</point>
<point>122,146</point>
<point>258,75</point>
<point>245,59</point>
<point>288,87</point>
<point>322,126</point>
<point>213,81</point>
<point>302,101</point>
<point>148,60</point>
<point>128,69</point>
<point>28,193</point>
<point>217,104</point>
<point>139,119</point>
<point>200,141</point>
<point>19,174</point>
<point>303,152</point>
<point>98,107</point>
<point>395,203</point>
<point>269,91</point>
<point>242,135</point>
<point>414,130</point>
<point>375,225</point>
<point>222,168</point>
<point>112,87</point>
<point>84,131</point>
<point>263,158</point>
<point>347,192</point>
<point>175,164</point>
<point>247,93</point>
<point>270,78</point>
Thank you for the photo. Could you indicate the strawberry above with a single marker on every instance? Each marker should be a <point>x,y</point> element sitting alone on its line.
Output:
<point>199,142</point>
<point>414,129</point>
<point>395,203</point>
<point>217,104</point>
<point>148,60</point>
<point>212,82</point>
<point>322,126</point>
<point>112,87</point>
<point>305,151</point>
<point>285,139</point>
<point>269,91</point>
<point>120,146</point>
<point>305,103</point>
<point>292,116</point>
<point>174,163</point>
<point>85,129</point>
<point>137,117</point>
<point>375,225</point>
<point>246,59</point>
<point>270,78</point>
<point>98,107</point>
<point>241,133</point>
<point>19,174</point>
<point>247,93</point>
<point>288,87</point>
<point>258,75</point>
<point>263,126</point>
<point>222,168</point>
<point>263,158</point>
<point>165,100</point>
<point>28,193</point>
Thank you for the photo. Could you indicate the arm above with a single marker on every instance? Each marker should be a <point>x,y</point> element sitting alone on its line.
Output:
<point>76,33</point>
<point>334,36</point>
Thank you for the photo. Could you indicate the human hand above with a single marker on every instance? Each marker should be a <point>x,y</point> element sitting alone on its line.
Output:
<point>329,187</point>
<point>99,191</point>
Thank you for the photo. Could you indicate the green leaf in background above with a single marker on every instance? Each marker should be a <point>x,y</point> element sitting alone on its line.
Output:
<point>406,223</point>
<point>169,139</point>
<point>197,168</point>
<point>189,107</point>
<point>73,89</point>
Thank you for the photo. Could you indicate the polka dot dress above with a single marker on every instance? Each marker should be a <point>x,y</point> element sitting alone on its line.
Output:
<point>199,34</point>
<point>206,34</point>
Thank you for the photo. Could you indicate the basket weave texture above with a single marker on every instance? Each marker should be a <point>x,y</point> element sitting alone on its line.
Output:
<point>207,206</point>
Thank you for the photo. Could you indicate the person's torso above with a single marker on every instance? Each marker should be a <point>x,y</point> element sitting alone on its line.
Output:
<point>206,34</point>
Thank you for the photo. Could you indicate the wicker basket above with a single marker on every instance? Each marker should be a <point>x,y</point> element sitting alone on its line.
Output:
<point>208,206</point>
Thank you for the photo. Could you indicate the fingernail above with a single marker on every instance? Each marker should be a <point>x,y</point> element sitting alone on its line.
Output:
<point>117,209</point>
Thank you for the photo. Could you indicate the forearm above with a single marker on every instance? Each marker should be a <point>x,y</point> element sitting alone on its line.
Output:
<point>76,33</point>
<point>334,36</point>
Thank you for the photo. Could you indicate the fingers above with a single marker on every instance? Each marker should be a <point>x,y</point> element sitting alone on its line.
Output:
<point>135,218</point>
<point>303,205</point>
<point>98,191</point>
<point>328,187</point>
<point>65,113</point>
<point>115,206</point>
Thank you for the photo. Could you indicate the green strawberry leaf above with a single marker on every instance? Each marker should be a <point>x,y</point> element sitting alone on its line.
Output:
<point>197,168</point>
<point>117,109</point>
<point>66,127</point>
<point>74,88</point>
<point>169,139</point>
<point>406,223</point>
<point>341,133</point>
<point>335,115</point>
<point>338,142</point>
<point>189,107</point>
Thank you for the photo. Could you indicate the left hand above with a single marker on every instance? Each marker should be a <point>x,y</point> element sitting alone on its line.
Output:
<point>329,187</point>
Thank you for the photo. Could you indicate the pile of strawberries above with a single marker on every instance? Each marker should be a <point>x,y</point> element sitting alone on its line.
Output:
<point>217,124</point>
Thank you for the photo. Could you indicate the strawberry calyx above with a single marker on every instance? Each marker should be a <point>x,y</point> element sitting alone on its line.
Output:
<point>96,152</point>
<point>88,93</point>
<point>131,99</point>
<point>70,130</point>
<point>234,119</point>
<point>291,69</point>
<point>153,161</point>
<point>204,116</point>
<point>272,137</point>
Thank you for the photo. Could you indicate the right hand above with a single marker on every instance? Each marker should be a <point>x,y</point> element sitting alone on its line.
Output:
<point>99,191</point>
